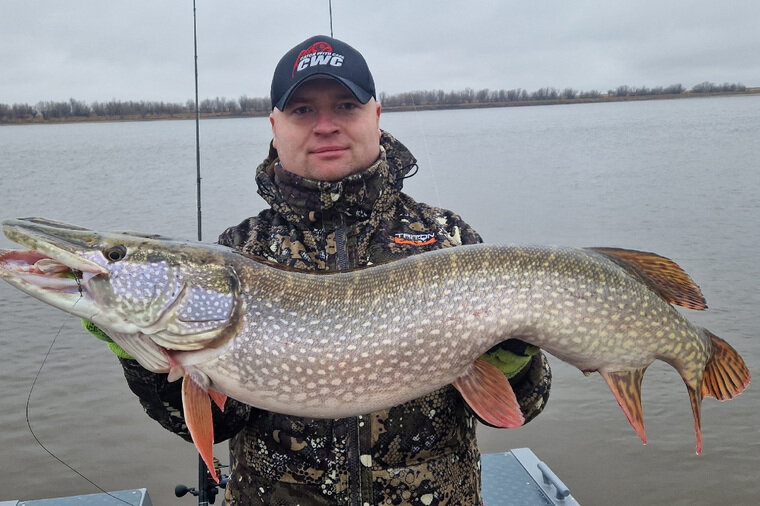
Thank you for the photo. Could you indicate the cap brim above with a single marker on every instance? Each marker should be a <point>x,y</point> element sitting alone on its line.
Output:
<point>361,95</point>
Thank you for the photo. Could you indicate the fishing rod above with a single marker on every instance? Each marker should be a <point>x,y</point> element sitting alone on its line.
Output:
<point>197,126</point>
<point>207,486</point>
<point>329,7</point>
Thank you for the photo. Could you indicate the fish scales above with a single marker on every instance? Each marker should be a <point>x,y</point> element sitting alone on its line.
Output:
<point>364,336</point>
<point>348,343</point>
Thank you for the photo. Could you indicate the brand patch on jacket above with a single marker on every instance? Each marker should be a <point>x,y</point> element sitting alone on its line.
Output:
<point>414,239</point>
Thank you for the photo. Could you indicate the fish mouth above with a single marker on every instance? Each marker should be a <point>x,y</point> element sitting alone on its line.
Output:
<point>67,267</point>
<point>60,242</point>
<point>48,279</point>
<point>59,277</point>
<point>40,270</point>
<point>53,269</point>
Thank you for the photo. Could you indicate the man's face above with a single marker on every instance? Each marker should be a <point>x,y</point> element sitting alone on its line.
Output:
<point>325,133</point>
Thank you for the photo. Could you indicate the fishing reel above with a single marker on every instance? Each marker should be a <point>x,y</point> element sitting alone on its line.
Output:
<point>207,487</point>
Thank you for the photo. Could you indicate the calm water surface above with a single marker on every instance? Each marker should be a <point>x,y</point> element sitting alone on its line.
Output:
<point>679,177</point>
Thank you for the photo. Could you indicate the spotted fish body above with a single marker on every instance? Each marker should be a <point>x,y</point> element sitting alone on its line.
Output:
<point>347,343</point>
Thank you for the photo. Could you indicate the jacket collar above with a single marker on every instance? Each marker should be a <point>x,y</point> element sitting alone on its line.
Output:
<point>318,204</point>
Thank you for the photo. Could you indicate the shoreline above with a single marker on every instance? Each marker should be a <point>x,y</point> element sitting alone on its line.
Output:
<point>402,108</point>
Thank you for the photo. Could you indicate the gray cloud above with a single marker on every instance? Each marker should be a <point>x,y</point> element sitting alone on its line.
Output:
<point>142,50</point>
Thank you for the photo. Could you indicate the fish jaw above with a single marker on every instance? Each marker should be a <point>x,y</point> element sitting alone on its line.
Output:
<point>61,284</point>
<point>72,246</point>
<point>153,296</point>
<point>62,289</point>
<point>68,290</point>
<point>61,261</point>
<point>76,271</point>
<point>61,278</point>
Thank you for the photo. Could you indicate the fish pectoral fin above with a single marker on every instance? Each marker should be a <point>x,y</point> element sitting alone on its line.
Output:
<point>661,274</point>
<point>197,410</point>
<point>489,394</point>
<point>218,398</point>
<point>626,386</point>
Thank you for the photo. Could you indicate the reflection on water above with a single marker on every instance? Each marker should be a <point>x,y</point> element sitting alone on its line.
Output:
<point>677,177</point>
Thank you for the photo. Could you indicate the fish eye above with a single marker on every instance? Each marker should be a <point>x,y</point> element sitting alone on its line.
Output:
<point>115,253</point>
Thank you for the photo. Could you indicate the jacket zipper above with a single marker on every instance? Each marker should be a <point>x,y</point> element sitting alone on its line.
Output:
<point>341,246</point>
<point>352,436</point>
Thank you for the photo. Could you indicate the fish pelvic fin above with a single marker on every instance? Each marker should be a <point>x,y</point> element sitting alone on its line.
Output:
<point>196,405</point>
<point>626,386</point>
<point>219,398</point>
<point>489,394</point>
<point>726,374</point>
<point>661,274</point>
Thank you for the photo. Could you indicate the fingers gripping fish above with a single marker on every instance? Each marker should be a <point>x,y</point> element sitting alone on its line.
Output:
<point>347,343</point>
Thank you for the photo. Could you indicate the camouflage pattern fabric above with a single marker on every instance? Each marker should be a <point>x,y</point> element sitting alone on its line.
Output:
<point>421,452</point>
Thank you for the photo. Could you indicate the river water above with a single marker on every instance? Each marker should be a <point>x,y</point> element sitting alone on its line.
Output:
<point>678,177</point>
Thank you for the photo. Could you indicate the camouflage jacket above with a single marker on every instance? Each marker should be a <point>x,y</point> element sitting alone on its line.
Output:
<point>421,452</point>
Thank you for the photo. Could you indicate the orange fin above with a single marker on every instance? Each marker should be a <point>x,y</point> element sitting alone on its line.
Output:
<point>696,409</point>
<point>726,374</point>
<point>176,371</point>
<point>218,398</point>
<point>197,409</point>
<point>626,386</point>
<point>661,274</point>
<point>489,394</point>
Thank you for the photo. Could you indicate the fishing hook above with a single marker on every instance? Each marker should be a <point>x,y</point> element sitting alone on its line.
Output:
<point>78,277</point>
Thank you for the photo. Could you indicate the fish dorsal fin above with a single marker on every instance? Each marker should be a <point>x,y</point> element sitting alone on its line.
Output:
<point>489,394</point>
<point>626,386</point>
<point>661,274</point>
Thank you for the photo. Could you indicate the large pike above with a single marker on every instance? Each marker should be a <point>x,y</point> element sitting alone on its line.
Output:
<point>347,343</point>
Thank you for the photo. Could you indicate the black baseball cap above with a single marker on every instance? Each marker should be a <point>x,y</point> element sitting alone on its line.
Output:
<point>321,56</point>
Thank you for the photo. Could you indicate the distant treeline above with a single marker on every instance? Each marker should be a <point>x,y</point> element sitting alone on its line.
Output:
<point>469,96</point>
<point>245,106</point>
<point>76,109</point>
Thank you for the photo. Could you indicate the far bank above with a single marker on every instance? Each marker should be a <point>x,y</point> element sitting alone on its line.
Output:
<point>190,114</point>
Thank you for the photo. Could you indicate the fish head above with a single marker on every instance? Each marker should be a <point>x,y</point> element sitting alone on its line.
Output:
<point>174,296</point>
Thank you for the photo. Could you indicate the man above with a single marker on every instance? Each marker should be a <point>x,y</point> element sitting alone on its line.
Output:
<point>333,180</point>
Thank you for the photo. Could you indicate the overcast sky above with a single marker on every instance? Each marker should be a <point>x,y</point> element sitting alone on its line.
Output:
<point>98,50</point>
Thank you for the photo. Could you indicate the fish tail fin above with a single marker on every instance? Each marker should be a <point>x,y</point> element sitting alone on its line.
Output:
<point>726,374</point>
<point>196,404</point>
<point>489,394</point>
<point>626,386</point>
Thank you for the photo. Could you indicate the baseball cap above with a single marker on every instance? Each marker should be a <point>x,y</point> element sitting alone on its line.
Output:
<point>321,56</point>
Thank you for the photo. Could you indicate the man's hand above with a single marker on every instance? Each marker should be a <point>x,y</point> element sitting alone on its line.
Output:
<point>95,331</point>
<point>510,357</point>
<point>528,373</point>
